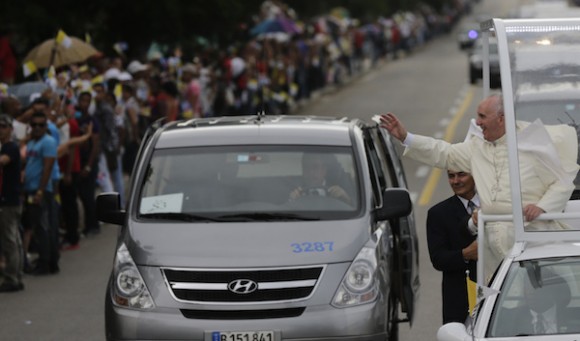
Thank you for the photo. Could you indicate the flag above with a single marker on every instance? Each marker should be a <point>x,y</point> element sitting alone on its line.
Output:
<point>50,77</point>
<point>88,38</point>
<point>3,89</point>
<point>477,293</point>
<point>63,39</point>
<point>98,80</point>
<point>187,114</point>
<point>484,292</point>
<point>51,73</point>
<point>120,47</point>
<point>118,91</point>
<point>471,292</point>
<point>29,68</point>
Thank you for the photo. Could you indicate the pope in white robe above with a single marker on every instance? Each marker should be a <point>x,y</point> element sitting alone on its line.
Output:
<point>547,159</point>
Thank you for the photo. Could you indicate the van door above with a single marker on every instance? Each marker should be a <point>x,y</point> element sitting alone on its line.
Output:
<point>407,242</point>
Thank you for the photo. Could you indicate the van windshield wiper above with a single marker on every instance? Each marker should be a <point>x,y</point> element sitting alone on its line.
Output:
<point>267,217</point>
<point>179,216</point>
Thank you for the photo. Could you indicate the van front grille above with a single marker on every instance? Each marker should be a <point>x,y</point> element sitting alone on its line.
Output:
<point>235,286</point>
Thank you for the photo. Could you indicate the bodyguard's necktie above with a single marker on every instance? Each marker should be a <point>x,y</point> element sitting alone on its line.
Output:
<point>471,206</point>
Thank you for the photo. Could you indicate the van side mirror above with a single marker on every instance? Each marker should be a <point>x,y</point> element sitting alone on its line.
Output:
<point>396,203</point>
<point>109,209</point>
<point>453,331</point>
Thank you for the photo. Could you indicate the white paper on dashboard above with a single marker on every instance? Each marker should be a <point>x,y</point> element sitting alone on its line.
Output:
<point>162,203</point>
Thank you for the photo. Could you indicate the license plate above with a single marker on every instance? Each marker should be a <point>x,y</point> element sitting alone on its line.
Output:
<point>243,336</point>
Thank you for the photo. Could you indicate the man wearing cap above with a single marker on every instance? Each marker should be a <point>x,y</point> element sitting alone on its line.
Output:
<point>138,71</point>
<point>136,66</point>
<point>10,208</point>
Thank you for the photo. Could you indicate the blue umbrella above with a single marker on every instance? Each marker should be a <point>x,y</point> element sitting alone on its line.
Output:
<point>267,26</point>
<point>279,25</point>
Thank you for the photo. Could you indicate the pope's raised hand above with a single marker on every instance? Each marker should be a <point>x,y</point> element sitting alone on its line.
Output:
<point>390,122</point>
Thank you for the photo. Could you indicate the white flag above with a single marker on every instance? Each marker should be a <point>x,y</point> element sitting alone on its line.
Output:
<point>63,39</point>
<point>484,292</point>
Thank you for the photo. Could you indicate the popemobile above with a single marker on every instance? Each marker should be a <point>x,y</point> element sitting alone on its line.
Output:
<point>534,294</point>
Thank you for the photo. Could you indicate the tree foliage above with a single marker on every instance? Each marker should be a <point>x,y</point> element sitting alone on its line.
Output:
<point>168,22</point>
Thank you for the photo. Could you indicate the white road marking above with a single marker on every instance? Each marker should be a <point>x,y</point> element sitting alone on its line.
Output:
<point>444,122</point>
<point>439,135</point>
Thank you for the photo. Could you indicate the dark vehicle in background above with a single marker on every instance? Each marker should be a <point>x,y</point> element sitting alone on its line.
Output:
<point>475,59</point>
<point>467,35</point>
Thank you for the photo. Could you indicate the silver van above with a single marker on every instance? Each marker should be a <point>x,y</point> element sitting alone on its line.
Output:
<point>263,228</point>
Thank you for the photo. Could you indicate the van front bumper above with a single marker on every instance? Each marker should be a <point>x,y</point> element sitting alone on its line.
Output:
<point>365,322</point>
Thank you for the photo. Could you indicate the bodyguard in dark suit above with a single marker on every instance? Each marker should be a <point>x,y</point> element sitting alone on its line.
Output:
<point>452,248</point>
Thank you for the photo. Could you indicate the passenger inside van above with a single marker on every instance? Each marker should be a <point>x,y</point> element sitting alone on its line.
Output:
<point>317,179</point>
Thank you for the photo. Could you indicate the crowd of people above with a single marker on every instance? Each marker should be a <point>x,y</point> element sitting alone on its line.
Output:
<point>81,133</point>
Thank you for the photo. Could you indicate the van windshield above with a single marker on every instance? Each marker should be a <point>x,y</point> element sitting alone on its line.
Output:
<point>248,183</point>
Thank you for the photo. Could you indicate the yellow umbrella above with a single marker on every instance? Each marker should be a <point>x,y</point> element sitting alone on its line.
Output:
<point>77,51</point>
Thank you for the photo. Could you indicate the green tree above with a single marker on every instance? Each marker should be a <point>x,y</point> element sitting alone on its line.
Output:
<point>174,22</point>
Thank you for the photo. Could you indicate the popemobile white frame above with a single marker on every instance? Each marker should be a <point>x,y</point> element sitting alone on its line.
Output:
<point>500,27</point>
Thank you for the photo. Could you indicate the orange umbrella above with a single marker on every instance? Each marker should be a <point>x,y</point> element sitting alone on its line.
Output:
<point>77,52</point>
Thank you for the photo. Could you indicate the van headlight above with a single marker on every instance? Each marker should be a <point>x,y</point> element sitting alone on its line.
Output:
<point>359,285</point>
<point>128,287</point>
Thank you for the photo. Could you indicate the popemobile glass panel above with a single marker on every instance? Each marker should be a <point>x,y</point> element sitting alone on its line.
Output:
<point>544,62</point>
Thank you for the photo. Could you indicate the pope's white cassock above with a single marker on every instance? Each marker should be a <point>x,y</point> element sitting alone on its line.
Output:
<point>547,158</point>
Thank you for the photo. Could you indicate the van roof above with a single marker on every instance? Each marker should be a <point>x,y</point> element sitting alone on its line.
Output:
<point>259,129</point>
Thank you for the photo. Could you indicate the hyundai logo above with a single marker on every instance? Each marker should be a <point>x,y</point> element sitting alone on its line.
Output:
<point>242,286</point>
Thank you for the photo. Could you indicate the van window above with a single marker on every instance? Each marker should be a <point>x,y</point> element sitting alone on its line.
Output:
<point>307,181</point>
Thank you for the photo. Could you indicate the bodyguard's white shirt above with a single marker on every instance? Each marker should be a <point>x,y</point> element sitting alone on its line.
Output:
<point>470,224</point>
